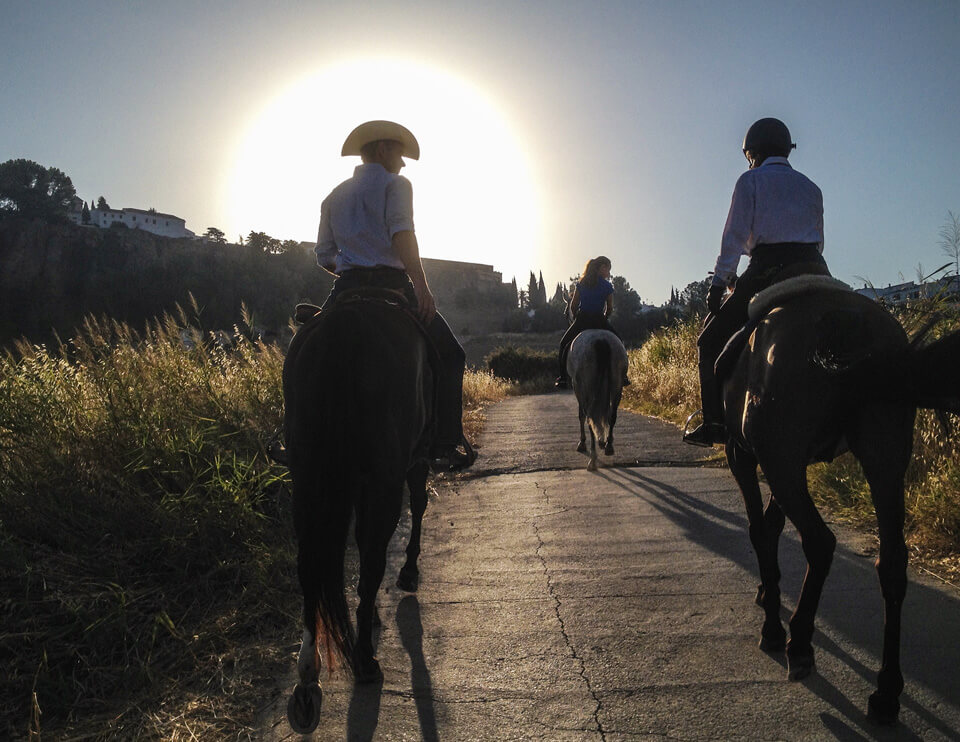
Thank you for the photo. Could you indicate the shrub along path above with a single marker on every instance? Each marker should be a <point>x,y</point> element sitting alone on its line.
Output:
<point>556,604</point>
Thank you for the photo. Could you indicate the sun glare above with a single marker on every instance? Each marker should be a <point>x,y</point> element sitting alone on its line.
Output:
<point>475,198</point>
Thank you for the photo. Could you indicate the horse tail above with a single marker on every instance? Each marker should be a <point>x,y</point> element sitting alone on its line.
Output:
<point>930,376</point>
<point>598,412</point>
<point>324,492</point>
<point>333,625</point>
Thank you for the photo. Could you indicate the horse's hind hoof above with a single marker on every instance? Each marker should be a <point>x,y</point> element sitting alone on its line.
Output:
<point>608,450</point>
<point>303,708</point>
<point>799,668</point>
<point>881,710</point>
<point>368,672</point>
<point>582,447</point>
<point>592,466</point>
<point>773,644</point>
<point>408,581</point>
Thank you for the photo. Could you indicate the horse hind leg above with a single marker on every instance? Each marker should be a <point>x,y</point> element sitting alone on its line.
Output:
<point>884,459</point>
<point>303,707</point>
<point>592,466</point>
<point>376,521</point>
<point>409,577</point>
<point>608,448</point>
<point>765,527</point>
<point>582,446</point>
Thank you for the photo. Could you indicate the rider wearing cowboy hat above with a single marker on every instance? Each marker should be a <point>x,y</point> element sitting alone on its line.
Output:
<point>776,218</point>
<point>367,239</point>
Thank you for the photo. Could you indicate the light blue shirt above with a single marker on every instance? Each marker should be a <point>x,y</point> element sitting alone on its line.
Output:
<point>360,217</point>
<point>771,203</point>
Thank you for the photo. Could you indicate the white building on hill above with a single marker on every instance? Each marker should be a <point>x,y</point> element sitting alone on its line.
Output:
<point>151,220</point>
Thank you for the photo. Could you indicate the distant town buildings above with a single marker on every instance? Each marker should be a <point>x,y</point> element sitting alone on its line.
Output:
<point>901,293</point>
<point>149,220</point>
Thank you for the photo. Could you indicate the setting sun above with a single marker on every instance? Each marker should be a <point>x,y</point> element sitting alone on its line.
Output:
<point>475,197</point>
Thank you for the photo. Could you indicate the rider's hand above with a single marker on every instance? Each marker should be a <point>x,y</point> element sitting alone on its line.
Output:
<point>426,306</point>
<point>715,297</point>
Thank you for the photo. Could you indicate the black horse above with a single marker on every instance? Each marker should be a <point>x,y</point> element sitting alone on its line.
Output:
<point>359,398</point>
<point>823,372</point>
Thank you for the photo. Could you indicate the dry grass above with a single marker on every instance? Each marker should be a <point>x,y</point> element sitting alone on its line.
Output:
<point>144,537</point>
<point>480,389</point>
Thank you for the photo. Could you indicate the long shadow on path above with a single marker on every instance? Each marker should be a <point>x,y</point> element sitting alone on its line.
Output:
<point>927,612</point>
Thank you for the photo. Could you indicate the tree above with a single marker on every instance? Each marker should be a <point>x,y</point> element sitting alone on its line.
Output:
<point>85,214</point>
<point>263,241</point>
<point>29,189</point>
<point>102,203</point>
<point>533,292</point>
<point>215,235</point>
<point>694,298</point>
<point>950,240</point>
<point>289,246</point>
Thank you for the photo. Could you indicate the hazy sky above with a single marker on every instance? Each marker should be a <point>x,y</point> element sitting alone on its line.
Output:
<point>615,127</point>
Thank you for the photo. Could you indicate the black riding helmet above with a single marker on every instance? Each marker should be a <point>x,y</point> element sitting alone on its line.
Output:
<point>769,136</point>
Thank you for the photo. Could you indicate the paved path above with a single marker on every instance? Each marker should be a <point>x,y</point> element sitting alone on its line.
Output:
<point>556,604</point>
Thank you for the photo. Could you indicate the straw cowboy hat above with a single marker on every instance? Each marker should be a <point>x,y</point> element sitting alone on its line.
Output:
<point>374,131</point>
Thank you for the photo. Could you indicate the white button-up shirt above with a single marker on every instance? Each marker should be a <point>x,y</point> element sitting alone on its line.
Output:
<point>360,217</point>
<point>771,203</point>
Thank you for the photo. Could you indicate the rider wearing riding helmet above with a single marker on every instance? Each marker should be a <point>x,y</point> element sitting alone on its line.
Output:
<point>590,306</point>
<point>367,239</point>
<point>776,218</point>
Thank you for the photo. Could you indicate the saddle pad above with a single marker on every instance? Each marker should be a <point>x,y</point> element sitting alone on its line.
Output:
<point>789,288</point>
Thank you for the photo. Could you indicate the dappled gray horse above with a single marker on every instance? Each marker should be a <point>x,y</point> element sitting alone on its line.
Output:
<point>597,366</point>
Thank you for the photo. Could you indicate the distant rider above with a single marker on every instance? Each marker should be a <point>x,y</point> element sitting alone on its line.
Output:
<point>367,239</point>
<point>776,217</point>
<point>590,306</point>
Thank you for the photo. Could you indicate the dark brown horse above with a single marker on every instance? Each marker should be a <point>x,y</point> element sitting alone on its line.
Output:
<point>358,394</point>
<point>823,372</point>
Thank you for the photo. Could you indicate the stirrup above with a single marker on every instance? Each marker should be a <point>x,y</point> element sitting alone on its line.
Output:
<point>686,425</point>
<point>705,435</point>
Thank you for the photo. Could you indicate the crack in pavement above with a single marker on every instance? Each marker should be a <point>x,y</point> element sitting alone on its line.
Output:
<point>563,629</point>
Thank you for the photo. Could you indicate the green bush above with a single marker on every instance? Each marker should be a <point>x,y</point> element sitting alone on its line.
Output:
<point>521,364</point>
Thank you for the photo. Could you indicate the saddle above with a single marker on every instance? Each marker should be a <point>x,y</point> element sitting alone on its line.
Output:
<point>778,294</point>
<point>304,312</point>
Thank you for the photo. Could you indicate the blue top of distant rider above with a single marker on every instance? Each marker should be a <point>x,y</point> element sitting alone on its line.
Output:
<point>593,299</point>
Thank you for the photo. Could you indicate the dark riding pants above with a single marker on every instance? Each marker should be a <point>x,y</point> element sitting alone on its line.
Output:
<point>768,265</point>
<point>452,357</point>
<point>583,321</point>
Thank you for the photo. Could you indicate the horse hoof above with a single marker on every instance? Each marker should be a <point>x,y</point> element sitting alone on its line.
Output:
<point>799,668</point>
<point>608,450</point>
<point>368,671</point>
<point>759,599</point>
<point>773,644</point>
<point>882,710</point>
<point>582,447</point>
<point>303,708</point>
<point>408,581</point>
<point>592,466</point>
